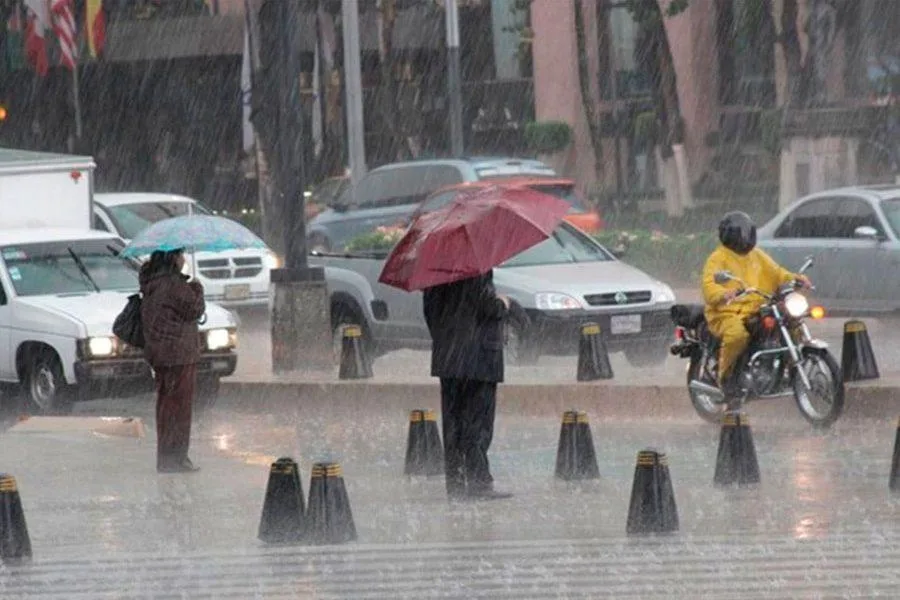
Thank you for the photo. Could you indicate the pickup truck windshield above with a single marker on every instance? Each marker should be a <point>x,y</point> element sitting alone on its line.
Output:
<point>131,219</point>
<point>49,268</point>
<point>564,246</point>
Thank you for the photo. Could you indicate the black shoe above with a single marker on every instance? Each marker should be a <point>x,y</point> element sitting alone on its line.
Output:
<point>487,494</point>
<point>183,466</point>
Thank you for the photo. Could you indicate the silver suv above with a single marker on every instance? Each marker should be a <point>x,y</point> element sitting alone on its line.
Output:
<point>390,193</point>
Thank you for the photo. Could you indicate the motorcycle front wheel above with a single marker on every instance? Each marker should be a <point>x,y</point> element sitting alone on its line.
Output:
<point>823,403</point>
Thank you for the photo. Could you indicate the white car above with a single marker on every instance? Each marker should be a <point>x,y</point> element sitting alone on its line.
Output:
<point>233,279</point>
<point>60,291</point>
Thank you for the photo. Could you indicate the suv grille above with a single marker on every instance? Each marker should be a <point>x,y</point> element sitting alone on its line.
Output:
<point>230,268</point>
<point>611,300</point>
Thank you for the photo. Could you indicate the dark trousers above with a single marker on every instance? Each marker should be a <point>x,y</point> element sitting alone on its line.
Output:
<point>467,418</point>
<point>175,387</point>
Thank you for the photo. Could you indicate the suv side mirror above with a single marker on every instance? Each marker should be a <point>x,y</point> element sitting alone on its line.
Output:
<point>865,232</point>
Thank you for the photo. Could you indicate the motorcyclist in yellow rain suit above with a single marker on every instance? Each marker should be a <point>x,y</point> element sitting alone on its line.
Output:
<point>725,312</point>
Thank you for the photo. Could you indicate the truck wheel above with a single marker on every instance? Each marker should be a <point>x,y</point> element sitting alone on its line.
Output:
<point>45,387</point>
<point>207,392</point>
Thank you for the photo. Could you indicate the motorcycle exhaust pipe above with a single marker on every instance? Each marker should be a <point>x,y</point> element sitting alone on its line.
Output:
<point>704,388</point>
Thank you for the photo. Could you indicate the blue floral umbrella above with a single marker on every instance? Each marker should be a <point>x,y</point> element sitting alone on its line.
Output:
<point>196,233</point>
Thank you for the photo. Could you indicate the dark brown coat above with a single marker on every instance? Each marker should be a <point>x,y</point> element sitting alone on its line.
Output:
<point>169,312</point>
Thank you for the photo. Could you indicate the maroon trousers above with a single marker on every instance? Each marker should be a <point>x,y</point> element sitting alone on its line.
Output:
<point>175,387</point>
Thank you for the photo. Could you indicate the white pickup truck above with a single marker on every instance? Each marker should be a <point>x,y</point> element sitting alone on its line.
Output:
<point>61,287</point>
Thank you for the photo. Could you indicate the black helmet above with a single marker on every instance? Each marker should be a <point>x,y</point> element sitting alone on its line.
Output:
<point>737,232</point>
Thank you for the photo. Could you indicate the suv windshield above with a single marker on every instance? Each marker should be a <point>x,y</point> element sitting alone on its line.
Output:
<point>565,246</point>
<point>48,268</point>
<point>131,219</point>
<point>891,210</point>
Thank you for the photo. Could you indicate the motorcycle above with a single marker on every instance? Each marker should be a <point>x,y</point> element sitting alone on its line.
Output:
<point>782,359</point>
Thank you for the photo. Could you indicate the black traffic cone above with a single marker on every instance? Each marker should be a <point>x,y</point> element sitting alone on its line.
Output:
<point>575,456</point>
<point>593,358</point>
<point>857,357</point>
<point>355,363</point>
<point>15,545</point>
<point>283,510</point>
<point>895,463</point>
<point>736,459</point>
<point>424,453</point>
<point>329,518</point>
<point>652,508</point>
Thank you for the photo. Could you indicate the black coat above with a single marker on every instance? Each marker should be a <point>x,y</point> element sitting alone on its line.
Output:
<point>465,319</point>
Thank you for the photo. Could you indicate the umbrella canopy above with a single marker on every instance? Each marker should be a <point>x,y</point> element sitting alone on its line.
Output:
<point>479,230</point>
<point>197,233</point>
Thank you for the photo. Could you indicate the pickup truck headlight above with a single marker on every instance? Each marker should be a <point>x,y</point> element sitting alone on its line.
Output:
<point>221,339</point>
<point>555,301</point>
<point>101,347</point>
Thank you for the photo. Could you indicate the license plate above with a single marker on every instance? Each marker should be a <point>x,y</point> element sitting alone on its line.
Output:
<point>237,292</point>
<point>625,324</point>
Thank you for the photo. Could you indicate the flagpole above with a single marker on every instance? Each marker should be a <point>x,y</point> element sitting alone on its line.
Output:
<point>76,101</point>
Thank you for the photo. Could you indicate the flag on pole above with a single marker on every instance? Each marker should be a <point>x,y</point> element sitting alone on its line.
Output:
<point>95,27</point>
<point>37,21</point>
<point>64,26</point>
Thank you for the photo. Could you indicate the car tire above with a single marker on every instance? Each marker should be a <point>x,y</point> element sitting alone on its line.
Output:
<point>207,392</point>
<point>44,385</point>
<point>519,350</point>
<point>650,355</point>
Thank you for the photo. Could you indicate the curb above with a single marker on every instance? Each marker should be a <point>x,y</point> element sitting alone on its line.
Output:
<point>601,400</point>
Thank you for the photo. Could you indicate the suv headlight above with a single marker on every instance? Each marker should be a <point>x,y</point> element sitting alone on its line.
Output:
<point>272,261</point>
<point>796,304</point>
<point>665,294</point>
<point>555,301</point>
<point>221,339</point>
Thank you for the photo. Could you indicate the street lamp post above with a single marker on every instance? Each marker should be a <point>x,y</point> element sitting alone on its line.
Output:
<point>352,71</point>
<point>454,77</point>
<point>301,330</point>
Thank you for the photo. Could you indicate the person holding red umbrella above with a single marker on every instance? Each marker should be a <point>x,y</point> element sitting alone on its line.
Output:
<point>465,319</point>
<point>450,253</point>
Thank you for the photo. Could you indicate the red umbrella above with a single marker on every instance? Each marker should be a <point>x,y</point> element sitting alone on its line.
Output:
<point>479,230</point>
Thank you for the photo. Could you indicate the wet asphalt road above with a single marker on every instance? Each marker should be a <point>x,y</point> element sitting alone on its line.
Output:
<point>254,360</point>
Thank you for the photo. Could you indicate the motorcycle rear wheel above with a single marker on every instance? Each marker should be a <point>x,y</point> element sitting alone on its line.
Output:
<point>708,409</point>
<point>823,404</point>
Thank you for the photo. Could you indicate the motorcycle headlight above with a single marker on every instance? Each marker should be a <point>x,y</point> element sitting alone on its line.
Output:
<point>220,339</point>
<point>796,304</point>
<point>554,301</point>
<point>101,346</point>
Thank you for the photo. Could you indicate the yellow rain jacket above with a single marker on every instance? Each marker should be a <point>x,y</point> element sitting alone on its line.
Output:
<point>726,321</point>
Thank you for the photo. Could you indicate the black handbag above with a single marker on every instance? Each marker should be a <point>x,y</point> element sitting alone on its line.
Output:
<point>127,326</point>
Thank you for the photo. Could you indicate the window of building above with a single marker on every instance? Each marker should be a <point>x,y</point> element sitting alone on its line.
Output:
<point>626,56</point>
<point>746,46</point>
